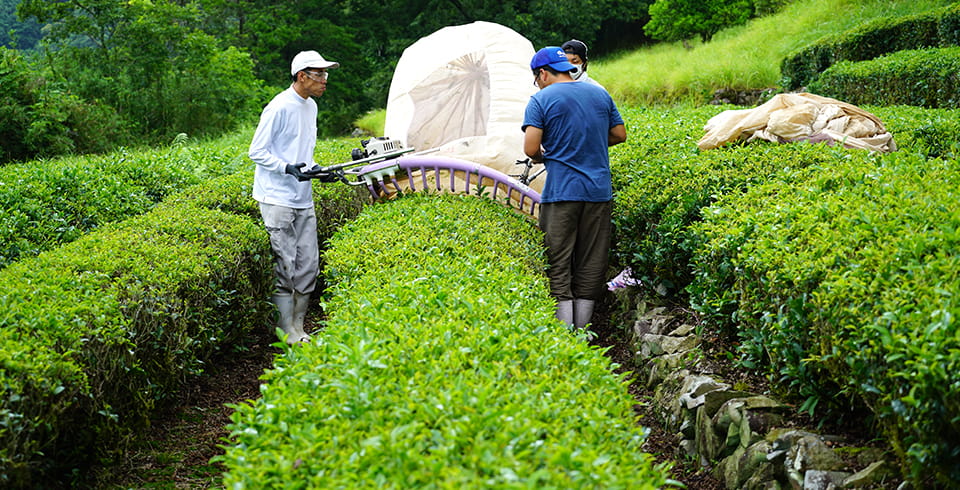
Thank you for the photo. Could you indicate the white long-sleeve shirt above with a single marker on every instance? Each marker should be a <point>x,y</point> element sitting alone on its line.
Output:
<point>287,133</point>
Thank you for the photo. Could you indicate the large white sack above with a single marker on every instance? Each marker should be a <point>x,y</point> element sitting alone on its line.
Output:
<point>462,91</point>
<point>787,118</point>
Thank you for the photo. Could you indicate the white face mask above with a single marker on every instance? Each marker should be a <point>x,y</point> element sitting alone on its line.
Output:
<point>577,72</point>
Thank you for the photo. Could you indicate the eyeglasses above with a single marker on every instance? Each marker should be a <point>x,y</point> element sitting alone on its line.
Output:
<point>536,77</point>
<point>317,75</point>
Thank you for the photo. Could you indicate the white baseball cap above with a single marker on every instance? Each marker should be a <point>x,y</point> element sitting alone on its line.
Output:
<point>310,59</point>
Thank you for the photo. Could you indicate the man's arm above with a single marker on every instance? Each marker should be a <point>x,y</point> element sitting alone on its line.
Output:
<point>260,146</point>
<point>532,137</point>
<point>617,135</point>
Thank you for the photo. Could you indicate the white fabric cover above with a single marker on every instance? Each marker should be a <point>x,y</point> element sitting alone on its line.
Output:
<point>461,91</point>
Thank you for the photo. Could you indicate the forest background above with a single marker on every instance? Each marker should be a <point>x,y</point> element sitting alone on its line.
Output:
<point>88,76</point>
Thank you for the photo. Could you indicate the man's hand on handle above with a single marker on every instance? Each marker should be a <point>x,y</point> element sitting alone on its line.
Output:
<point>295,169</point>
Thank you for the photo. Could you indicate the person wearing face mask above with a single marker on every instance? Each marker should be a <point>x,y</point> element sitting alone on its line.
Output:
<point>577,56</point>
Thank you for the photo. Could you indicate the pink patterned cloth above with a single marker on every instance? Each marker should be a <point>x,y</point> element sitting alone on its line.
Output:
<point>623,279</point>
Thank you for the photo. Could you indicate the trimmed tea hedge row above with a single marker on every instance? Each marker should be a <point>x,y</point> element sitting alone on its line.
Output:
<point>926,78</point>
<point>665,187</point>
<point>843,282</point>
<point>48,203</point>
<point>99,333</point>
<point>939,28</point>
<point>662,181</point>
<point>934,133</point>
<point>441,366</point>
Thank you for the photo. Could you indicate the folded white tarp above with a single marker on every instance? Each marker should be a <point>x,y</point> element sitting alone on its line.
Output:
<point>462,91</point>
<point>794,117</point>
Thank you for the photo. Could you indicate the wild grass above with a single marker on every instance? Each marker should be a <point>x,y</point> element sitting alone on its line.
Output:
<point>743,57</point>
<point>372,122</point>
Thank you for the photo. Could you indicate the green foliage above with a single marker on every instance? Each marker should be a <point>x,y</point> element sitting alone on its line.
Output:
<point>744,57</point>
<point>678,20</point>
<point>372,122</point>
<point>441,366</point>
<point>663,181</point>
<point>146,60</point>
<point>15,33</point>
<point>832,266</point>
<point>100,333</point>
<point>926,78</point>
<point>40,119</point>
<point>930,132</point>
<point>769,7</point>
<point>842,277</point>
<point>196,67</point>
<point>368,38</point>
<point>284,29</point>
<point>881,36</point>
<point>48,203</point>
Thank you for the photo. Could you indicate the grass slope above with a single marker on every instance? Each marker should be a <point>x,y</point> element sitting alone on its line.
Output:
<point>741,57</point>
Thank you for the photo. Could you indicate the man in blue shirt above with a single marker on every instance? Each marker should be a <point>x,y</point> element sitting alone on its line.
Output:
<point>569,126</point>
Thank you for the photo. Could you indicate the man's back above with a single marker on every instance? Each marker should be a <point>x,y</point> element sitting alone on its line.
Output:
<point>576,119</point>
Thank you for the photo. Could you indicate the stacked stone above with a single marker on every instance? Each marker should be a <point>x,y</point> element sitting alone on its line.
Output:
<point>740,435</point>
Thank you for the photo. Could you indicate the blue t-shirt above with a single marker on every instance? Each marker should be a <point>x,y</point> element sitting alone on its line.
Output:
<point>576,119</point>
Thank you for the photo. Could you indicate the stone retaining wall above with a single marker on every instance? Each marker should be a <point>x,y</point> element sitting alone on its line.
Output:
<point>740,435</point>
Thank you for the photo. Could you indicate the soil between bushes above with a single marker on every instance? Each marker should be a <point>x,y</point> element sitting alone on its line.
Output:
<point>176,451</point>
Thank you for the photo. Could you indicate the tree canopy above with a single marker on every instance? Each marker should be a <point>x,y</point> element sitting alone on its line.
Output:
<point>680,20</point>
<point>14,32</point>
<point>165,67</point>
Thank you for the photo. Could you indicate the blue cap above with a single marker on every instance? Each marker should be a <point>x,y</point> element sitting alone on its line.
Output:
<point>552,56</point>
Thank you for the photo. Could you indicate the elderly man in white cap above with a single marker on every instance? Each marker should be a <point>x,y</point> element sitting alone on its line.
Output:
<point>283,148</point>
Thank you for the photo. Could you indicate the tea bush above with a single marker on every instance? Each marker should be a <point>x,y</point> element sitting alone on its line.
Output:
<point>47,203</point>
<point>662,181</point>
<point>933,133</point>
<point>50,202</point>
<point>938,28</point>
<point>812,257</point>
<point>441,366</point>
<point>926,78</point>
<point>841,283</point>
<point>99,333</point>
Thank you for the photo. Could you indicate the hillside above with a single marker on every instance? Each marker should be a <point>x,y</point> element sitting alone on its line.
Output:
<point>744,57</point>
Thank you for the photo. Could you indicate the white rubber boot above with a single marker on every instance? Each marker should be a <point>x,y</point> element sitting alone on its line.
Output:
<point>300,304</point>
<point>565,311</point>
<point>582,312</point>
<point>284,303</point>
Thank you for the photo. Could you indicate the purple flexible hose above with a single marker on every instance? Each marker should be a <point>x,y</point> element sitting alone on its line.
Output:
<point>425,163</point>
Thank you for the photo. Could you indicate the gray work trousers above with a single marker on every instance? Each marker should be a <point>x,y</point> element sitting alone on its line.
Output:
<point>577,236</point>
<point>293,238</point>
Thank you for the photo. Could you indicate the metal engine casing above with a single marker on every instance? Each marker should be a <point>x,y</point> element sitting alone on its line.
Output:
<point>375,146</point>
